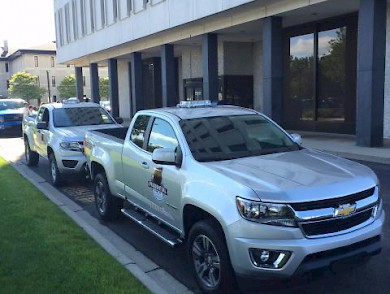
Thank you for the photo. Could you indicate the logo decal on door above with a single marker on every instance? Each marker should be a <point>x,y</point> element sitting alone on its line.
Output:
<point>158,190</point>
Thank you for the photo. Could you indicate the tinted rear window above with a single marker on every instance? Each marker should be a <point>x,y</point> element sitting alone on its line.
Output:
<point>80,116</point>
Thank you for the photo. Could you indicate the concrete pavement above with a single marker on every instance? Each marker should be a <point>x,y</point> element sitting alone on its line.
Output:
<point>345,146</point>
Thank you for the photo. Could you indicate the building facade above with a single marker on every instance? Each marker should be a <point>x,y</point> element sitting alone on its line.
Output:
<point>315,65</point>
<point>42,63</point>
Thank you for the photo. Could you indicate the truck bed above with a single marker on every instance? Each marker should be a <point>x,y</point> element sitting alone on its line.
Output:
<point>118,133</point>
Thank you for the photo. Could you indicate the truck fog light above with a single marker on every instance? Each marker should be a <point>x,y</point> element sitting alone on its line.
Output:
<point>268,258</point>
<point>264,256</point>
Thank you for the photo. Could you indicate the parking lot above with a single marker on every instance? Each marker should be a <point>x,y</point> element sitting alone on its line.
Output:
<point>371,278</point>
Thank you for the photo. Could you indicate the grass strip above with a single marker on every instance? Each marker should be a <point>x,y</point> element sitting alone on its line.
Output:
<point>43,251</point>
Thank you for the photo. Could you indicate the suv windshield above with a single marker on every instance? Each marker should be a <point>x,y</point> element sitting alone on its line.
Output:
<point>229,137</point>
<point>80,116</point>
<point>11,104</point>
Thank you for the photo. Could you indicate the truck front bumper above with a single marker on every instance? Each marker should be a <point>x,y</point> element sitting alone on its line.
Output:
<point>304,254</point>
<point>71,162</point>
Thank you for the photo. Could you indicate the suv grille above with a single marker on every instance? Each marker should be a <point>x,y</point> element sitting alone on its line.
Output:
<point>336,224</point>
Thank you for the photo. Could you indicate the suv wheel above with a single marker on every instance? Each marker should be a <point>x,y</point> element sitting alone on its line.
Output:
<point>56,177</point>
<point>209,258</point>
<point>32,158</point>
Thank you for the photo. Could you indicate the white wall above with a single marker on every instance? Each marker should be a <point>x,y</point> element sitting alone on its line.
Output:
<point>192,62</point>
<point>124,89</point>
<point>386,131</point>
<point>108,31</point>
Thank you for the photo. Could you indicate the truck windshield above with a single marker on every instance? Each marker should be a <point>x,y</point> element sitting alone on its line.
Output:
<point>230,137</point>
<point>80,116</point>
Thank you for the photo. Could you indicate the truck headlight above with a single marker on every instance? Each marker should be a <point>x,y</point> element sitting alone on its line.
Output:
<point>266,213</point>
<point>72,146</point>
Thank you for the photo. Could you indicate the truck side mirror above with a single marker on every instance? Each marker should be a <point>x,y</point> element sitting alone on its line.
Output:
<point>42,125</point>
<point>167,156</point>
<point>296,138</point>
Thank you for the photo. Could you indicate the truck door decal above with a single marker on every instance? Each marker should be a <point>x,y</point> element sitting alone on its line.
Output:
<point>158,190</point>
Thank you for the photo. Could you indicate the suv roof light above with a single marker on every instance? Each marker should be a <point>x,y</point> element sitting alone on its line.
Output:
<point>195,104</point>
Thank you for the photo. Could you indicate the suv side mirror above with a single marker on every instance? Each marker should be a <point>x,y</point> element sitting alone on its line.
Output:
<point>42,125</point>
<point>119,120</point>
<point>168,156</point>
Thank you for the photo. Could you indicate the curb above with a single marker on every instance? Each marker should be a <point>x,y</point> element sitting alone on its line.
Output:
<point>122,251</point>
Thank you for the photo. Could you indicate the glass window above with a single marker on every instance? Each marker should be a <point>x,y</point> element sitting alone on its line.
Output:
<point>301,102</point>
<point>43,115</point>
<point>332,75</point>
<point>161,136</point>
<point>80,116</point>
<point>36,64</point>
<point>6,67</point>
<point>53,81</point>
<point>52,61</point>
<point>229,137</point>
<point>139,129</point>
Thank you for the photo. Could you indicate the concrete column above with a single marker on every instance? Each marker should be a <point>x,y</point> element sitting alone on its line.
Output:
<point>273,68</point>
<point>113,86</point>
<point>371,72</point>
<point>168,75</point>
<point>94,78</point>
<point>79,83</point>
<point>136,82</point>
<point>210,66</point>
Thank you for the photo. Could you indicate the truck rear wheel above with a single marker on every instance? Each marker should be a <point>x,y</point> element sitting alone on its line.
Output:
<point>56,178</point>
<point>107,205</point>
<point>32,158</point>
<point>209,258</point>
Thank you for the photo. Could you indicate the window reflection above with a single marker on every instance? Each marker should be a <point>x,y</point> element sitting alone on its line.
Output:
<point>301,103</point>
<point>332,75</point>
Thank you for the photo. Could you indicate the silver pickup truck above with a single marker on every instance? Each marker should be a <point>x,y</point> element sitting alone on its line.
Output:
<point>57,133</point>
<point>246,197</point>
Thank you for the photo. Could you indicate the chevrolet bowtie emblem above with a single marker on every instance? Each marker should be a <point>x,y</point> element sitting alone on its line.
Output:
<point>344,210</point>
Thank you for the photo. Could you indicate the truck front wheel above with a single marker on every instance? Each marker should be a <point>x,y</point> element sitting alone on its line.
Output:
<point>32,158</point>
<point>107,205</point>
<point>209,258</point>
<point>56,178</point>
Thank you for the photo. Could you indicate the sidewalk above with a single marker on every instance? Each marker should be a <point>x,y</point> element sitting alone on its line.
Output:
<point>345,146</point>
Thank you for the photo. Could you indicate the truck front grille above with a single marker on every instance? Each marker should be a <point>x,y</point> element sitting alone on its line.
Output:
<point>334,225</point>
<point>333,202</point>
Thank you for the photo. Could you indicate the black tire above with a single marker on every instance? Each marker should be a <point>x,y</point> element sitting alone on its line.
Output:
<point>56,177</point>
<point>209,258</point>
<point>108,206</point>
<point>32,158</point>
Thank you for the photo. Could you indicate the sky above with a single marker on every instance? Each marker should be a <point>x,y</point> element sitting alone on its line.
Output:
<point>26,23</point>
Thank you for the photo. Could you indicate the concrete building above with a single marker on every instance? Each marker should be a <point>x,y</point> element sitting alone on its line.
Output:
<point>41,62</point>
<point>316,65</point>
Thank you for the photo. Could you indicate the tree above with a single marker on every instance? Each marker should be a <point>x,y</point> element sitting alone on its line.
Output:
<point>24,85</point>
<point>67,87</point>
<point>104,87</point>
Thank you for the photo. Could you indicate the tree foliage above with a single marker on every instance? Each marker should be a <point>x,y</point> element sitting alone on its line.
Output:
<point>67,87</point>
<point>25,85</point>
<point>104,87</point>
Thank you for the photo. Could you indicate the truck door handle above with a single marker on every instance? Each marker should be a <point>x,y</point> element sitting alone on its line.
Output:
<point>144,164</point>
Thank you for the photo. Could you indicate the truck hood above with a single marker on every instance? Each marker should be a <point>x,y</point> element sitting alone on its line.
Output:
<point>297,176</point>
<point>78,133</point>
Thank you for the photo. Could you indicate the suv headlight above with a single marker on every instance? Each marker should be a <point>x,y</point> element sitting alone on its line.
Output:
<point>72,146</point>
<point>266,213</point>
